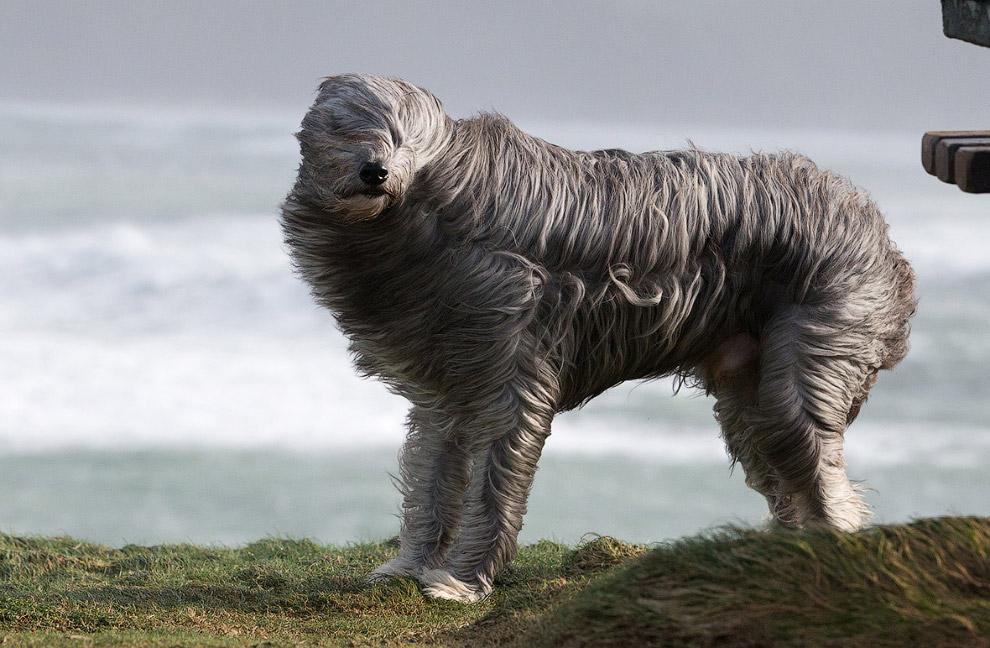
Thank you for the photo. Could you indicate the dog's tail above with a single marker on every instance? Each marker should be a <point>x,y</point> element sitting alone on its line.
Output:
<point>904,303</point>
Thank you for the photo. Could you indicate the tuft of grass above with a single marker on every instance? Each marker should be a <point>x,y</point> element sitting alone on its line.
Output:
<point>920,584</point>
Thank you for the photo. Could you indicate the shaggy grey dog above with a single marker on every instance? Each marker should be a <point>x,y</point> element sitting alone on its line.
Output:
<point>494,280</point>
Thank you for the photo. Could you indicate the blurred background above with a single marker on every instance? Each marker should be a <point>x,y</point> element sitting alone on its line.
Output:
<point>164,377</point>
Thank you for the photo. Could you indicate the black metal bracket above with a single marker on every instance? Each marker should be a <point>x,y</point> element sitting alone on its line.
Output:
<point>967,20</point>
<point>961,157</point>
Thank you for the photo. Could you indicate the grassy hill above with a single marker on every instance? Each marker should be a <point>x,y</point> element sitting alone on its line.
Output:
<point>921,584</point>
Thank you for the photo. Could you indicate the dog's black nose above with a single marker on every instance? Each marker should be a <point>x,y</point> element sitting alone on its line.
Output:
<point>373,173</point>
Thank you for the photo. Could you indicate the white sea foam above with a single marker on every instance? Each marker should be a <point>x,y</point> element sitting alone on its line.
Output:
<point>867,444</point>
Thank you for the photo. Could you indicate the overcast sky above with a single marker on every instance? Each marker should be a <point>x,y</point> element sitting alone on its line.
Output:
<point>872,64</point>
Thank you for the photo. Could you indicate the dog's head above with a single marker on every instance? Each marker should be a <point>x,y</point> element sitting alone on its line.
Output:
<point>363,141</point>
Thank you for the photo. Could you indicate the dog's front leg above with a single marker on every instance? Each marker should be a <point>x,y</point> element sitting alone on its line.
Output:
<point>512,434</point>
<point>434,472</point>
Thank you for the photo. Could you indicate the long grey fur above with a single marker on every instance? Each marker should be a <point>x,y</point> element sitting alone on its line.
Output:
<point>495,279</point>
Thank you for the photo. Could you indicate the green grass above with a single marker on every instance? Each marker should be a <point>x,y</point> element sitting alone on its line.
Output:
<point>923,584</point>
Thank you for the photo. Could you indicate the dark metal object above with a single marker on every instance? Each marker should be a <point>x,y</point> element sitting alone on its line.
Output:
<point>967,20</point>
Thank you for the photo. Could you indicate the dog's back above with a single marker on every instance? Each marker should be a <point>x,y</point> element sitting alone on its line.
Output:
<point>652,260</point>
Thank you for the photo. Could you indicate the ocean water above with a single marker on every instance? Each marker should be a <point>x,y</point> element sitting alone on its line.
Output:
<point>164,377</point>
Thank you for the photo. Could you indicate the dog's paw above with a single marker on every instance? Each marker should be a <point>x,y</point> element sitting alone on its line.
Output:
<point>395,568</point>
<point>441,584</point>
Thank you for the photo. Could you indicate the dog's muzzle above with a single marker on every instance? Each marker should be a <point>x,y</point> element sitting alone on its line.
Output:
<point>373,173</point>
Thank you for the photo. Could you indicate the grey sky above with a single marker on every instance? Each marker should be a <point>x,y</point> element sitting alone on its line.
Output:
<point>780,63</point>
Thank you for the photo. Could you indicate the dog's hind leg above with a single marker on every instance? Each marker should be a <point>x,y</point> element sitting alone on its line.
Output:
<point>731,374</point>
<point>512,431</point>
<point>811,372</point>
<point>434,472</point>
